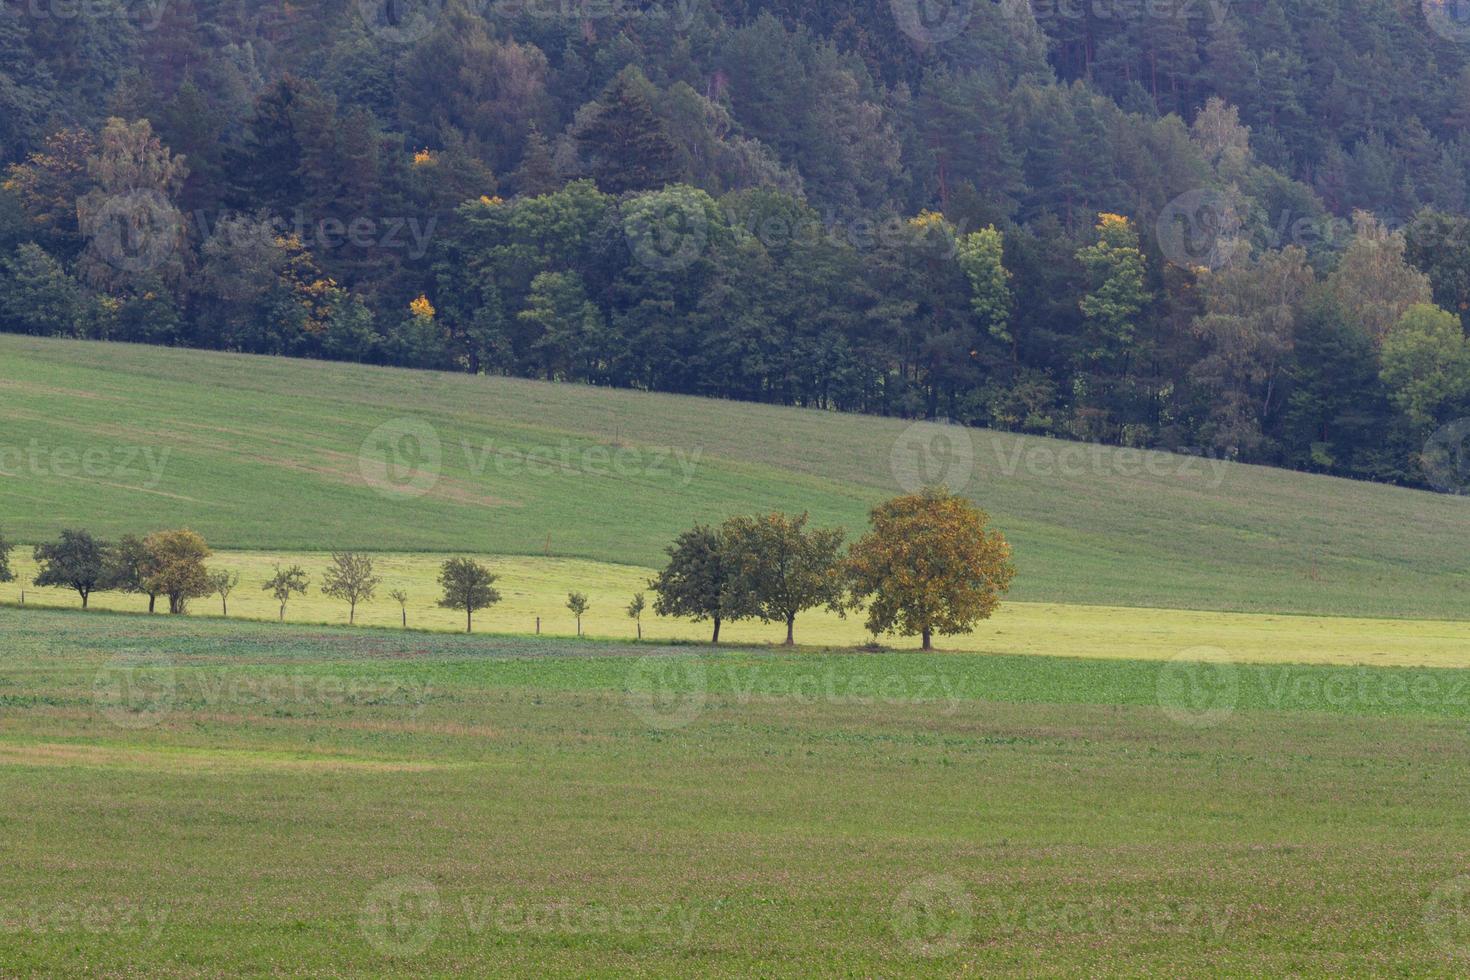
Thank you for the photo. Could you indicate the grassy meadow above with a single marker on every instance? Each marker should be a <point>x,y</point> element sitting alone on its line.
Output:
<point>1219,727</point>
<point>188,796</point>
<point>271,454</point>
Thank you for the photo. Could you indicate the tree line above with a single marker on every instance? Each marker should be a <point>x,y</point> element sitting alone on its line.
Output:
<point>927,566</point>
<point>793,203</point>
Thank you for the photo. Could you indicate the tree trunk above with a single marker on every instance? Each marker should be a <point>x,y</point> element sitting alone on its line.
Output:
<point>84,600</point>
<point>351,614</point>
<point>283,613</point>
<point>716,639</point>
<point>469,624</point>
<point>790,630</point>
<point>151,600</point>
<point>928,639</point>
<point>640,629</point>
<point>404,611</point>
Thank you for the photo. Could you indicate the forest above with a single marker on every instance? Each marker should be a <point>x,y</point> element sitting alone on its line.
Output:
<point>1234,229</point>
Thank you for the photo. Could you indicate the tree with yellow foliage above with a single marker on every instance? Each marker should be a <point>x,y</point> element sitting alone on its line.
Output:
<point>177,567</point>
<point>929,566</point>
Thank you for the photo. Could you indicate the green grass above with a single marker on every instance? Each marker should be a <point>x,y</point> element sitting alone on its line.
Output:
<point>262,453</point>
<point>187,797</point>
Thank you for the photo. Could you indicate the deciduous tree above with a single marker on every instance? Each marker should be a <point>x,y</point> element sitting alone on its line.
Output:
<point>635,611</point>
<point>578,604</point>
<point>784,567</point>
<point>177,568</point>
<point>130,568</point>
<point>401,597</point>
<point>350,578</point>
<point>222,583</point>
<point>284,584</point>
<point>929,566</point>
<point>696,581</point>
<point>467,585</point>
<point>75,561</point>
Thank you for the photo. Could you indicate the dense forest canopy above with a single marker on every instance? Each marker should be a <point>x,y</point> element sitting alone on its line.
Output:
<point>1229,228</point>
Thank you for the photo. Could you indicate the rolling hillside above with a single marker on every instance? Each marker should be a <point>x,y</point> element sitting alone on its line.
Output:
<point>273,454</point>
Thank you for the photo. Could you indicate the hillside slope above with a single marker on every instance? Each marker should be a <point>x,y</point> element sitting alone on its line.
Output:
<point>263,453</point>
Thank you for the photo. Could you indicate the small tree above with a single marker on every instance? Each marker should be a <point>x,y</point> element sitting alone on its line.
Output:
<point>401,597</point>
<point>784,569</point>
<point>467,585</point>
<point>284,584</point>
<point>222,583</point>
<point>635,612</point>
<point>129,567</point>
<point>76,561</point>
<point>177,567</point>
<point>6,575</point>
<point>695,582</point>
<point>350,578</point>
<point>930,566</point>
<point>578,604</point>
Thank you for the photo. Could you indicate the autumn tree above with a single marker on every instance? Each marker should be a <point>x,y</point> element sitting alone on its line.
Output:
<point>134,229</point>
<point>1373,284</point>
<point>130,567</point>
<point>1116,291</point>
<point>75,561</point>
<point>284,584</point>
<point>578,604</point>
<point>929,566</point>
<point>48,184</point>
<point>467,585</point>
<point>696,581</point>
<point>980,256</point>
<point>222,583</point>
<point>784,567</point>
<point>177,567</point>
<point>350,578</point>
<point>635,612</point>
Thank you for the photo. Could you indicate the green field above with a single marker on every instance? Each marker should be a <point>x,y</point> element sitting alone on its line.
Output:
<point>189,797</point>
<point>263,453</point>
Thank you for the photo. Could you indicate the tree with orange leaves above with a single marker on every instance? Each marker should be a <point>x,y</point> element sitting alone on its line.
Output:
<point>929,566</point>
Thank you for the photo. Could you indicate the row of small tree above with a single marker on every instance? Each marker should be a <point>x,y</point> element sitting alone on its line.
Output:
<point>171,564</point>
<point>927,565</point>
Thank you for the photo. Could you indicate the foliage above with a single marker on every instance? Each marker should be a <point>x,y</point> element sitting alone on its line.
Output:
<point>780,568</point>
<point>1426,364</point>
<point>222,583</point>
<point>697,582</point>
<point>285,583</point>
<point>76,560</point>
<point>176,567</point>
<point>929,566</point>
<point>350,578</point>
<point>131,565</point>
<point>467,585</point>
<point>8,575</point>
<point>578,604</point>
